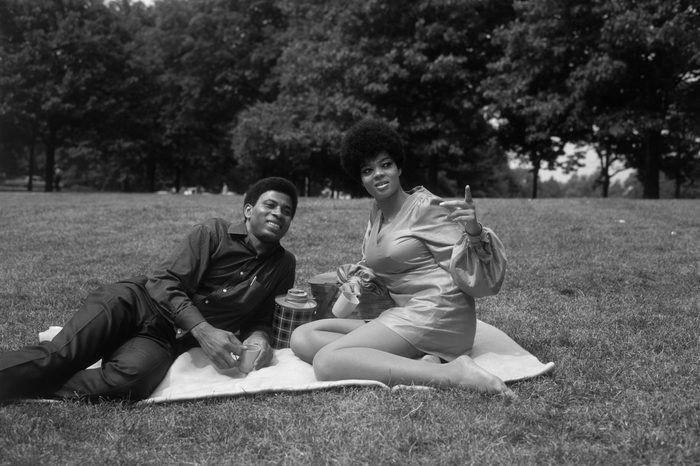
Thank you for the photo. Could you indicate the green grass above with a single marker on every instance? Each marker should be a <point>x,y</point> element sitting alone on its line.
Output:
<point>607,289</point>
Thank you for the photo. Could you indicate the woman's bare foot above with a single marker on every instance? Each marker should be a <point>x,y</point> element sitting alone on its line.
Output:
<point>466,373</point>
<point>431,358</point>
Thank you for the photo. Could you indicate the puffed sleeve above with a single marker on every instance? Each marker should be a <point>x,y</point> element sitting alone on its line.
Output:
<point>477,264</point>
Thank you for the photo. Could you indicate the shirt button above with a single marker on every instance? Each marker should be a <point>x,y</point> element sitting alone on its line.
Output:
<point>206,301</point>
<point>240,273</point>
<point>224,290</point>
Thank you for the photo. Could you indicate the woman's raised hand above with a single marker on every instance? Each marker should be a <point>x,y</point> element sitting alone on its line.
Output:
<point>464,213</point>
<point>352,286</point>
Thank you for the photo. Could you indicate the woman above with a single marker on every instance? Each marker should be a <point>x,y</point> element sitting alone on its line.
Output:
<point>412,242</point>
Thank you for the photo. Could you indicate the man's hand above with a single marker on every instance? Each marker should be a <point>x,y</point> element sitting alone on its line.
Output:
<point>464,213</point>
<point>260,338</point>
<point>217,344</point>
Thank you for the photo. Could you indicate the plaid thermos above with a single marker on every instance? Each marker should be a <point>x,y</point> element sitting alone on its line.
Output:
<point>291,310</point>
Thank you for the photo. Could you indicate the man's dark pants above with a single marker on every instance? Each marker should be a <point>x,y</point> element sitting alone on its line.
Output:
<point>119,324</point>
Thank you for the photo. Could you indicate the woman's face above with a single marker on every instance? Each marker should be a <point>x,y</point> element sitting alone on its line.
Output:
<point>380,176</point>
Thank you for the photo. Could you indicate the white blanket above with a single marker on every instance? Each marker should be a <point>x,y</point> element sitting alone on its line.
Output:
<point>193,376</point>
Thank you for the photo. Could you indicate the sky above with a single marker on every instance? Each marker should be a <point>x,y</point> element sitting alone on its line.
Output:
<point>591,165</point>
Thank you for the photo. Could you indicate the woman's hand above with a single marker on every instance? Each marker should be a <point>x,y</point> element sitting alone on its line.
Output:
<point>464,213</point>
<point>352,286</point>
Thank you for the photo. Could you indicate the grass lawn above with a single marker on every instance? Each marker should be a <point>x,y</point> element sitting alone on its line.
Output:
<point>607,289</point>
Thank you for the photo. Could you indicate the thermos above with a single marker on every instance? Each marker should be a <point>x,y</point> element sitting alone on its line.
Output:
<point>291,310</point>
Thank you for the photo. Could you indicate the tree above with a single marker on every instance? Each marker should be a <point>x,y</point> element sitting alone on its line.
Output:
<point>648,56</point>
<point>682,163</point>
<point>529,96</point>
<point>299,132</point>
<point>424,62</point>
<point>621,67</point>
<point>212,59</point>
<point>610,146</point>
<point>63,70</point>
<point>416,65</point>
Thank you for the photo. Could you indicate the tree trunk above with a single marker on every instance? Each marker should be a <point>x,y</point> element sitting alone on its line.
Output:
<point>32,156</point>
<point>151,172</point>
<point>432,172</point>
<point>652,162</point>
<point>606,184</point>
<point>678,168</point>
<point>50,158</point>
<point>178,179</point>
<point>535,175</point>
<point>605,176</point>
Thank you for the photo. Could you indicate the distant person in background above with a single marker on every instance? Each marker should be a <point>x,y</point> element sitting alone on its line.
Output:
<point>433,256</point>
<point>216,291</point>
<point>57,179</point>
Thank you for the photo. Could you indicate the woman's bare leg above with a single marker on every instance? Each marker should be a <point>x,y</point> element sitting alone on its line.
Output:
<point>374,352</point>
<point>307,339</point>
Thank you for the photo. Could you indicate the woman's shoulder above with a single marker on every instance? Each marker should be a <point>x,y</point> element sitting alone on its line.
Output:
<point>423,199</point>
<point>424,207</point>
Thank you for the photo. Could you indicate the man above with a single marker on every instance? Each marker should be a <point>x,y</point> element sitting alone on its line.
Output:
<point>216,290</point>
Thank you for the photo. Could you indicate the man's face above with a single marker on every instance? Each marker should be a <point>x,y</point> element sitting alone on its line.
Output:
<point>270,217</point>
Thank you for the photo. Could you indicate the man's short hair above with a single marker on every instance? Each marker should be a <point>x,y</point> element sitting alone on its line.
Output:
<point>273,183</point>
<point>365,141</point>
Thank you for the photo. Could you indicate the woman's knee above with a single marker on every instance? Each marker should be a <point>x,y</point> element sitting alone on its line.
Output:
<point>324,365</point>
<point>299,342</point>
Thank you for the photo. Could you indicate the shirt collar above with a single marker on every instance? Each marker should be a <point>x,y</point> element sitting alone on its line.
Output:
<point>239,229</point>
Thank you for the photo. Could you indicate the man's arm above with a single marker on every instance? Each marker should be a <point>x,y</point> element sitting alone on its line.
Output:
<point>217,344</point>
<point>259,333</point>
<point>179,275</point>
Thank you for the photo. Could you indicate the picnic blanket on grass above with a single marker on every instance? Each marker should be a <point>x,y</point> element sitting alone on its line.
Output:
<point>193,376</point>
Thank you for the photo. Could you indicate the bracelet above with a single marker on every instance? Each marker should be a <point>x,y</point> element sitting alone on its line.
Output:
<point>481,230</point>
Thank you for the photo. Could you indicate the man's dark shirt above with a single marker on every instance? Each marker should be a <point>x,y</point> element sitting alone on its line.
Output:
<point>216,275</point>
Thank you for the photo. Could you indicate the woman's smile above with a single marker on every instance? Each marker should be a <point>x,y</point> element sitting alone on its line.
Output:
<point>380,176</point>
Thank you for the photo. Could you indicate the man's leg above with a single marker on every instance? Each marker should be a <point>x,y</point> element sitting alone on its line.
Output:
<point>132,372</point>
<point>110,316</point>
